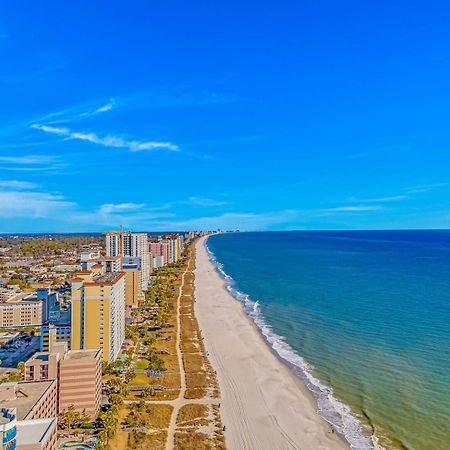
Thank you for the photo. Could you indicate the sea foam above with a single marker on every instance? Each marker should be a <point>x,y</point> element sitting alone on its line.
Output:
<point>335,412</point>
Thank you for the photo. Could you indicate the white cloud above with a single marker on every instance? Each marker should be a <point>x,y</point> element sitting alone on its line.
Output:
<point>393,198</point>
<point>351,208</point>
<point>199,201</point>
<point>17,185</point>
<point>109,208</point>
<point>425,188</point>
<point>230,221</point>
<point>107,141</point>
<point>105,108</point>
<point>31,163</point>
<point>32,204</point>
<point>68,215</point>
<point>28,159</point>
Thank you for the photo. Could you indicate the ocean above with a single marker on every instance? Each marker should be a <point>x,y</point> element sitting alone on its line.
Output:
<point>363,317</point>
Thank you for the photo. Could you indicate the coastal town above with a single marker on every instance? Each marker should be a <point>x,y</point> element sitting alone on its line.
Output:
<point>99,344</point>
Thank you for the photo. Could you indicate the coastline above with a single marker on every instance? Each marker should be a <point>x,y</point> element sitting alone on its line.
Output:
<point>264,405</point>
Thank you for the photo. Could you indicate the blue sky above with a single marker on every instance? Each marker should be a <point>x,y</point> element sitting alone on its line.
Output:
<point>250,115</point>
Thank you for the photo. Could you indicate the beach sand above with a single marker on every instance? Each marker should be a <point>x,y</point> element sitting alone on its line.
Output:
<point>264,405</point>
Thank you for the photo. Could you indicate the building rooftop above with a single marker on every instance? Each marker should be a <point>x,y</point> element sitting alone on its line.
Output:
<point>35,431</point>
<point>109,277</point>
<point>28,394</point>
<point>108,258</point>
<point>22,298</point>
<point>81,354</point>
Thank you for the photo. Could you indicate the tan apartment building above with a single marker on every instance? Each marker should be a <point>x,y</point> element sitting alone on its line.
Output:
<point>80,381</point>
<point>132,285</point>
<point>78,374</point>
<point>42,366</point>
<point>98,312</point>
<point>21,310</point>
<point>32,400</point>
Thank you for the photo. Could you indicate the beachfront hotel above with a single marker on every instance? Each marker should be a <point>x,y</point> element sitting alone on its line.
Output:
<point>98,311</point>
<point>160,249</point>
<point>80,381</point>
<point>133,291</point>
<point>175,247</point>
<point>78,375</point>
<point>126,244</point>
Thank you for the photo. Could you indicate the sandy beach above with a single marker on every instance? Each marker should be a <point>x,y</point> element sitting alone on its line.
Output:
<point>264,405</point>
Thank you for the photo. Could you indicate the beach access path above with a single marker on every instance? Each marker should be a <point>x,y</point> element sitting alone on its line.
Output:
<point>263,404</point>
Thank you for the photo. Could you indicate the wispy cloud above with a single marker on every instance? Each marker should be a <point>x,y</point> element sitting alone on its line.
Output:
<point>425,188</point>
<point>24,200</point>
<point>199,201</point>
<point>109,208</point>
<point>106,141</point>
<point>102,109</point>
<point>27,159</point>
<point>108,107</point>
<point>230,220</point>
<point>351,208</point>
<point>392,198</point>
<point>18,185</point>
<point>74,113</point>
<point>31,163</point>
<point>32,204</point>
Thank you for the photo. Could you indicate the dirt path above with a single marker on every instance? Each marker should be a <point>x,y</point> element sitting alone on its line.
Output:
<point>194,420</point>
<point>180,401</point>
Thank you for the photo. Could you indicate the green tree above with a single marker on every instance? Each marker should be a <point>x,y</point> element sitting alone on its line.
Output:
<point>71,417</point>
<point>130,375</point>
<point>21,367</point>
<point>108,424</point>
<point>148,392</point>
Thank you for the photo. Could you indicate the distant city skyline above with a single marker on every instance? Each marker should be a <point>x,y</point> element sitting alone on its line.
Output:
<point>250,116</point>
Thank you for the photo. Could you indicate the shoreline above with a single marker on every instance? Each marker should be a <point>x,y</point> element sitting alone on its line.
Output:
<point>264,404</point>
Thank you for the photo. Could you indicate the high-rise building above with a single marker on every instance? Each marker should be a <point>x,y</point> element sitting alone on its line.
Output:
<point>80,381</point>
<point>175,247</point>
<point>114,243</point>
<point>127,244</point>
<point>78,374</point>
<point>98,312</point>
<point>160,249</point>
<point>133,289</point>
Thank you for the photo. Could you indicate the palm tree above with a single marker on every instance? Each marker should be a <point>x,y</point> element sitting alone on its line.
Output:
<point>148,392</point>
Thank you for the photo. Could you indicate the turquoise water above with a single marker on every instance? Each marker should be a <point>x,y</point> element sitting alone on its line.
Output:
<point>362,317</point>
